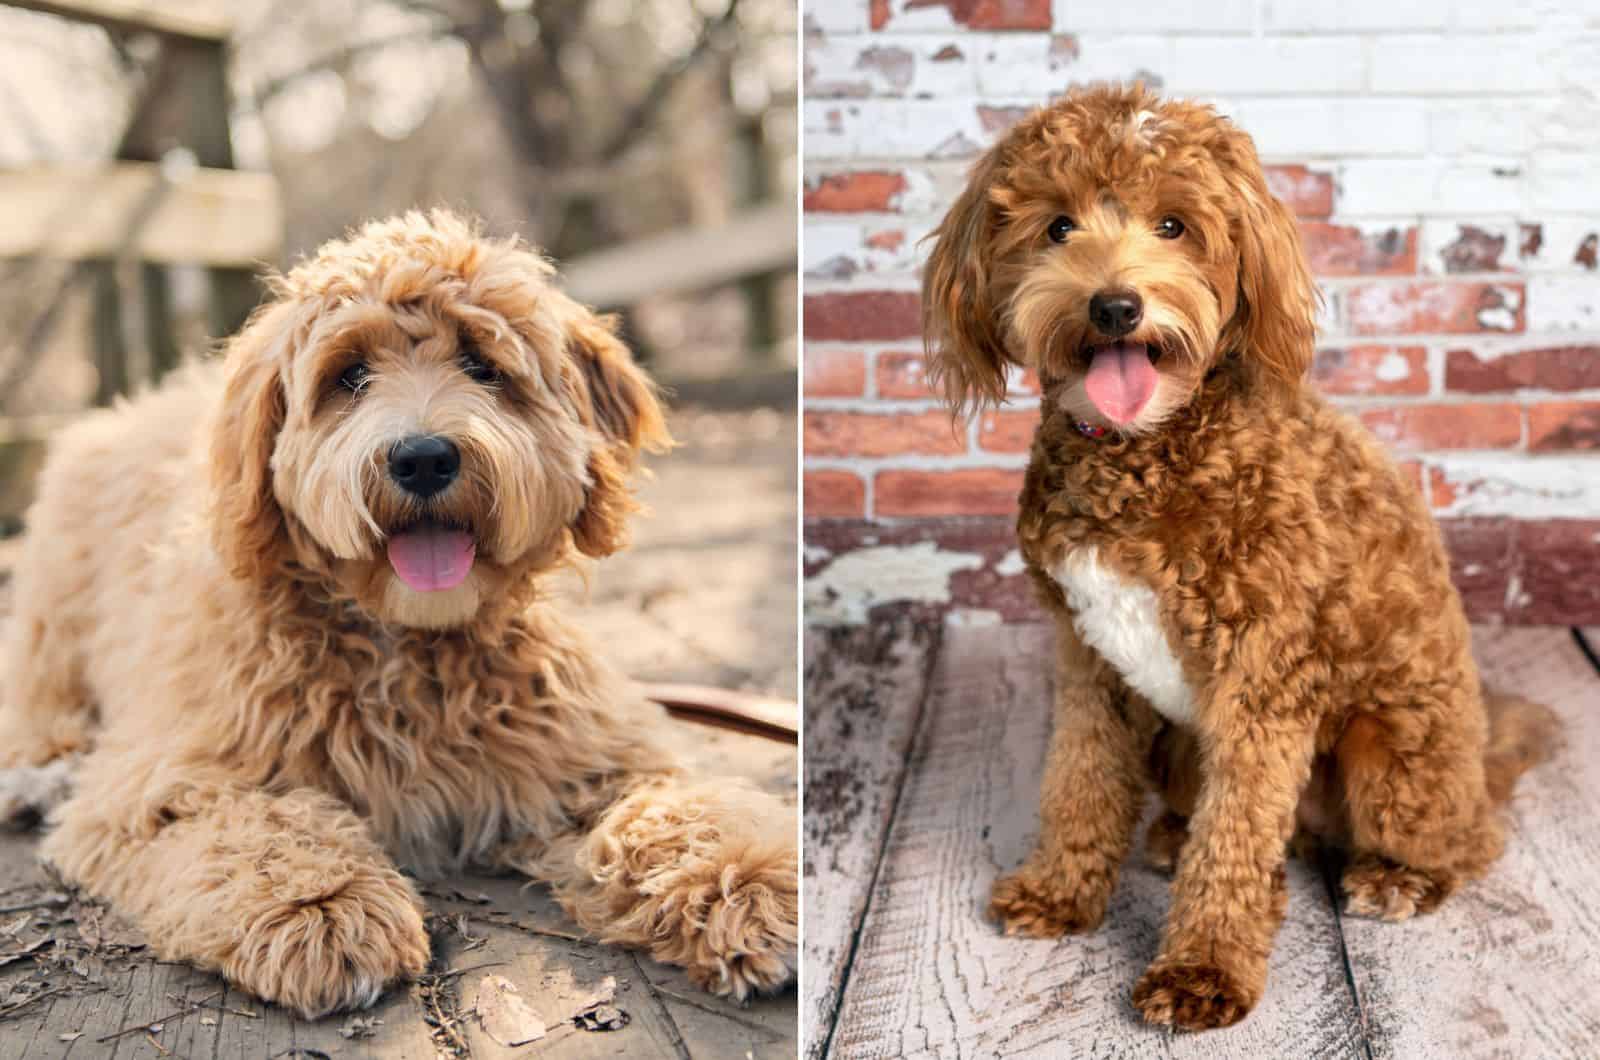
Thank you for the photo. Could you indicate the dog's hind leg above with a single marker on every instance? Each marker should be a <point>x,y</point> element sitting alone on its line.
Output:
<point>700,873</point>
<point>1423,789</point>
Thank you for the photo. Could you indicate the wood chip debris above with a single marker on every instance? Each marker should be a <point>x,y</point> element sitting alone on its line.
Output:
<point>359,1027</point>
<point>504,1015</point>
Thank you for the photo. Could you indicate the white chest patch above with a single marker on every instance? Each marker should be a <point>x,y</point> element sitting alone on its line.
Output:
<point>1120,620</point>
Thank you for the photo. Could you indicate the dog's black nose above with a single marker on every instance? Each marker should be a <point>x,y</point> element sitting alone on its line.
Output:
<point>424,464</point>
<point>1116,313</point>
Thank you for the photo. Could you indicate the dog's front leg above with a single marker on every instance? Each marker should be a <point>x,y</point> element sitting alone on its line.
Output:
<point>700,873</point>
<point>1229,894</point>
<point>1089,804</point>
<point>285,894</point>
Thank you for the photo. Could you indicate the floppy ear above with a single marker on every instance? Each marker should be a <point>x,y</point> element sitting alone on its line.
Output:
<point>246,522</point>
<point>960,331</point>
<point>619,401</point>
<point>1275,322</point>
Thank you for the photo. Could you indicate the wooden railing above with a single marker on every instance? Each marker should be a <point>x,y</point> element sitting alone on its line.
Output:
<point>69,228</point>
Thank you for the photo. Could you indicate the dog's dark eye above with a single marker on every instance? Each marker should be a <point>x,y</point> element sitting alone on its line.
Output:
<point>1059,228</point>
<point>476,368</point>
<point>355,377</point>
<point>1169,228</point>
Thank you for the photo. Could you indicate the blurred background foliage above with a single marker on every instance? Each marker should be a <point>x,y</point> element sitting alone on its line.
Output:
<point>581,125</point>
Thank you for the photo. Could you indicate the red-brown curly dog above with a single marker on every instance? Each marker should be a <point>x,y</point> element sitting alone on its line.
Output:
<point>288,613</point>
<point>1255,611</point>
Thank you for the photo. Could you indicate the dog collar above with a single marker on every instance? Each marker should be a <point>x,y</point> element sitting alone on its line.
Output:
<point>1090,430</point>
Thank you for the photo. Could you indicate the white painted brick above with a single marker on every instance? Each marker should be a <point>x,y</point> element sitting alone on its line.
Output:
<point>1481,63</point>
<point>1564,181</point>
<point>1469,245</point>
<point>1543,487</point>
<point>1347,16</point>
<point>896,128</point>
<point>1023,65</point>
<point>1269,65</point>
<point>1458,127</point>
<point>1398,187</point>
<point>842,250</point>
<point>1560,239</point>
<point>837,16</point>
<point>876,65</point>
<point>1505,14</point>
<point>1154,16</point>
<point>1297,128</point>
<point>1564,303</point>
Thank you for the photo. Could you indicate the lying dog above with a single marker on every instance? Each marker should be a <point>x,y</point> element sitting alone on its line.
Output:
<point>288,613</point>
<point>1255,610</point>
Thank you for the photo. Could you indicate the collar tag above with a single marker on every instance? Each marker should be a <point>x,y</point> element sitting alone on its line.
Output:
<point>1091,430</point>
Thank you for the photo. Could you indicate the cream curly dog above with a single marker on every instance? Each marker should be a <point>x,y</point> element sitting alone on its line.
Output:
<point>288,613</point>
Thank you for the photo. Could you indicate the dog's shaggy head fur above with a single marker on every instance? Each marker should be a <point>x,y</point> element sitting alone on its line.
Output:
<point>420,326</point>
<point>1115,192</point>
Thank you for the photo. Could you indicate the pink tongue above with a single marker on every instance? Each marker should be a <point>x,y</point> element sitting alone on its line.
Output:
<point>1121,380</point>
<point>428,559</point>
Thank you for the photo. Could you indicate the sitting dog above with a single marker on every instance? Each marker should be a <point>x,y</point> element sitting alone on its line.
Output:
<point>1254,608</point>
<point>288,614</point>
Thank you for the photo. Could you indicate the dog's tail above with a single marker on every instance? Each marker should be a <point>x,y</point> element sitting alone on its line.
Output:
<point>1522,734</point>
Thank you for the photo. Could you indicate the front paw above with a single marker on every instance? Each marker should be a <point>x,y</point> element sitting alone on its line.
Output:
<point>747,937</point>
<point>1045,906</point>
<point>1194,995</point>
<point>333,950</point>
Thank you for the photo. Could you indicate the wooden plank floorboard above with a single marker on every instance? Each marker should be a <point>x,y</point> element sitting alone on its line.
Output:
<point>864,691</point>
<point>933,978</point>
<point>1506,968</point>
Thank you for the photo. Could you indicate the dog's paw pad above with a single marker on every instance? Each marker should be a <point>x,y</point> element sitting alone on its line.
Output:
<point>1385,890</point>
<point>1192,997</point>
<point>29,793</point>
<point>1024,905</point>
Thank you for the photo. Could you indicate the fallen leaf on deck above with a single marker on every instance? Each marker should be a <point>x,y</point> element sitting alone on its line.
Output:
<point>74,1036</point>
<point>360,1027</point>
<point>208,1021</point>
<point>603,1018</point>
<point>505,1016</point>
<point>27,951</point>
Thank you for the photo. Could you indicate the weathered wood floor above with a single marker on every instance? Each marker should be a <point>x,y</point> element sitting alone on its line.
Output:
<point>923,750</point>
<point>707,596</point>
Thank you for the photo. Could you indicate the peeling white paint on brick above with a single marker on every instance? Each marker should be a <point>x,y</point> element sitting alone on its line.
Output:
<point>843,592</point>
<point>1010,564</point>
<point>1540,487</point>
<point>968,617</point>
<point>1393,368</point>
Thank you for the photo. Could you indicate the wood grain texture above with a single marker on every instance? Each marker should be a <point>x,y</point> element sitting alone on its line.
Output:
<point>933,978</point>
<point>864,692</point>
<point>1506,968</point>
<point>522,931</point>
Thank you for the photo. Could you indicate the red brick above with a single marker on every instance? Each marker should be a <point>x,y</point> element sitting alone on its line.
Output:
<point>1363,370</point>
<point>902,375</point>
<point>882,434</point>
<point>977,14</point>
<point>861,192</point>
<point>858,316</point>
<point>835,373</point>
<point>1564,425</point>
<point>1411,470</point>
<point>1497,426</point>
<point>1557,582</point>
<point>1345,250</point>
<point>969,491</point>
<point>1007,432</point>
<point>1442,492</point>
<point>1482,554</point>
<point>1552,368</point>
<point>834,495</point>
<point>1452,308</point>
<point>1474,250</point>
<point>1308,194</point>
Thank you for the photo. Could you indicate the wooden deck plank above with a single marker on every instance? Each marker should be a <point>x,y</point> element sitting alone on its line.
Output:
<point>1506,967</point>
<point>932,978</point>
<point>523,929</point>
<point>199,20</point>
<point>864,692</point>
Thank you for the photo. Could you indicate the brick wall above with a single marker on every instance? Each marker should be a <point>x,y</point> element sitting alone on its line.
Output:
<point>1444,161</point>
